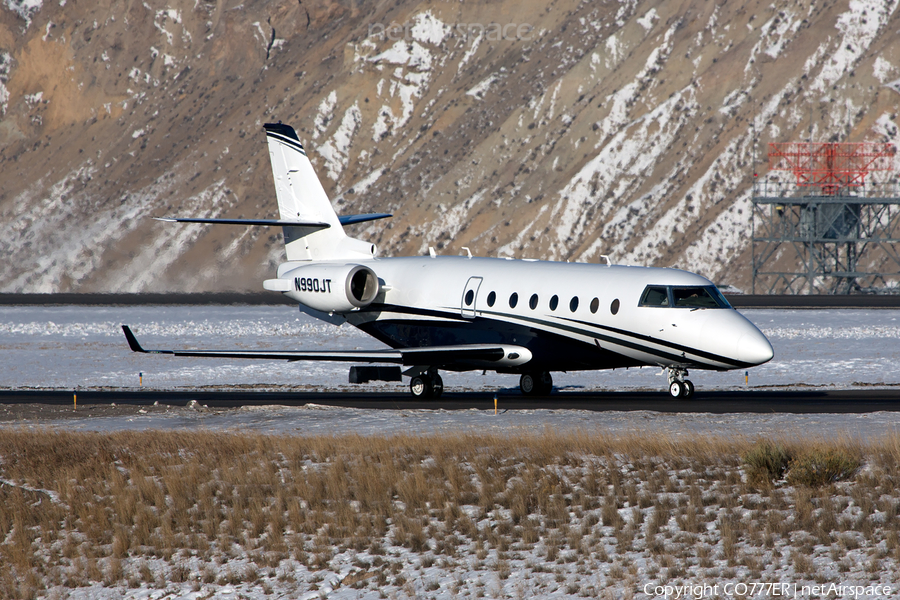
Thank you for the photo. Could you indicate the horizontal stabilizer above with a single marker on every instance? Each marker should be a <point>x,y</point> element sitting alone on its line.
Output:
<point>351,219</point>
<point>429,355</point>
<point>263,222</point>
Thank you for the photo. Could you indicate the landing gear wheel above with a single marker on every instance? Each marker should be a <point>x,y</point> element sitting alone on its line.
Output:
<point>677,389</point>
<point>437,386</point>
<point>421,387</point>
<point>536,384</point>
<point>546,383</point>
<point>426,386</point>
<point>528,385</point>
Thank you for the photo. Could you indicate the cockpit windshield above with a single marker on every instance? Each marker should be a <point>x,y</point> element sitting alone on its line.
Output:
<point>706,296</point>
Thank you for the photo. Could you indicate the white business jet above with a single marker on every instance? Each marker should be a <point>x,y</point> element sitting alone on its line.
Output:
<point>461,313</point>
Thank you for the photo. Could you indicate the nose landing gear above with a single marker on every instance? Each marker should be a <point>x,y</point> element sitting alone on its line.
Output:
<point>679,387</point>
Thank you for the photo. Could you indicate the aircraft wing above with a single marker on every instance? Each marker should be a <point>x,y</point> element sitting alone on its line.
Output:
<point>488,354</point>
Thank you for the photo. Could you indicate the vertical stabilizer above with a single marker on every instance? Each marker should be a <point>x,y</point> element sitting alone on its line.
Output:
<point>301,197</point>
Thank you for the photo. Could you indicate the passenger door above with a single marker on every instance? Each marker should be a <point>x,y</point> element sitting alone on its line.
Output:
<point>470,297</point>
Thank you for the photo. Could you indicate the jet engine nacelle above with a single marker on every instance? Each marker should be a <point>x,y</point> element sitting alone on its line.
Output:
<point>333,288</point>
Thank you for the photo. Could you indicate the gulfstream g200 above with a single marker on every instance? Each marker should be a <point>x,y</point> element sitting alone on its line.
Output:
<point>455,313</point>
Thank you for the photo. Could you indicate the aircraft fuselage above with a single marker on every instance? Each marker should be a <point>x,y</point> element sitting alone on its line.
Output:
<point>571,316</point>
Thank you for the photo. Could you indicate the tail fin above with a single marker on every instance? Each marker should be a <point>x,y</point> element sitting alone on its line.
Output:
<point>301,197</point>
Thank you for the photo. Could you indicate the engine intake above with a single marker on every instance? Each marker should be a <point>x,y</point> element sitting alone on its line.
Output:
<point>362,286</point>
<point>333,288</point>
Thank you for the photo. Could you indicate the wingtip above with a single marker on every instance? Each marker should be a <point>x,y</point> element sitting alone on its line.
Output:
<point>132,340</point>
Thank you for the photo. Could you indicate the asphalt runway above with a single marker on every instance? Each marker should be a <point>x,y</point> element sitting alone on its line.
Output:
<point>753,401</point>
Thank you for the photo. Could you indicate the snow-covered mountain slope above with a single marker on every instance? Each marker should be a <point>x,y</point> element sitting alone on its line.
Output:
<point>558,130</point>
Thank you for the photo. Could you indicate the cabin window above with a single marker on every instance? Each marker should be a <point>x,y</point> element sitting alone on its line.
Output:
<point>470,296</point>
<point>554,302</point>
<point>595,304</point>
<point>513,300</point>
<point>573,303</point>
<point>655,295</point>
<point>614,307</point>
<point>492,297</point>
<point>533,302</point>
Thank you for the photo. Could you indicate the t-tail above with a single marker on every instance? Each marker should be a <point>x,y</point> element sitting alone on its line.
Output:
<point>302,198</point>
<point>312,230</point>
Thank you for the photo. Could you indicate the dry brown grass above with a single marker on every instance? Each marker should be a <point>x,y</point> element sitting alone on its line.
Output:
<point>123,496</point>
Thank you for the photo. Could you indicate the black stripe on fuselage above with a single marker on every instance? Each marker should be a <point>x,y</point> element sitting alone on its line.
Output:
<point>398,340</point>
<point>412,310</point>
<point>628,344</point>
<point>637,346</point>
<point>673,345</point>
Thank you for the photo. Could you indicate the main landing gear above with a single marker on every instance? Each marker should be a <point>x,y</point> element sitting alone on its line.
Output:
<point>427,385</point>
<point>679,387</point>
<point>536,384</point>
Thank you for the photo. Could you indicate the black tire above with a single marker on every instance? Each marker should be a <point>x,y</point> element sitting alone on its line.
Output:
<point>528,384</point>
<point>546,383</point>
<point>688,389</point>
<point>536,384</point>
<point>420,387</point>
<point>437,386</point>
<point>676,389</point>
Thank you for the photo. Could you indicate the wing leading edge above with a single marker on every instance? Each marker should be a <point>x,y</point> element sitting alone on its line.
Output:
<point>490,354</point>
<point>344,220</point>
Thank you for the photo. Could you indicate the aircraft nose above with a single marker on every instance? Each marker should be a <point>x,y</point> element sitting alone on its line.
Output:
<point>754,348</point>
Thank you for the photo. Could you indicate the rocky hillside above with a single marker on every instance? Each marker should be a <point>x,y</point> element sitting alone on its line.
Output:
<point>556,129</point>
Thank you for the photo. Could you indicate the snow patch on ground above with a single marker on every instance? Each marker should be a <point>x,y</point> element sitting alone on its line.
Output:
<point>33,99</point>
<point>476,41</point>
<point>363,185</point>
<point>411,76</point>
<point>647,20</point>
<point>326,113</point>
<point>410,54</point>
<point>452,221</point>
<point>165,16</point>
<point>624,161</point>
<point>91,224</point>
<point>774,35</point>
<point>615,52</point>
<point>64,347</point>
<point>26,9</point>
<point>715,246</point>
<point>6,63</point>
<point>409,82</point>
<point>859,27</point>
<point>336,151</point>
<point>168,246</point>
<point>882,69</point>
<point>481,88</point>
<point>428,29</point>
